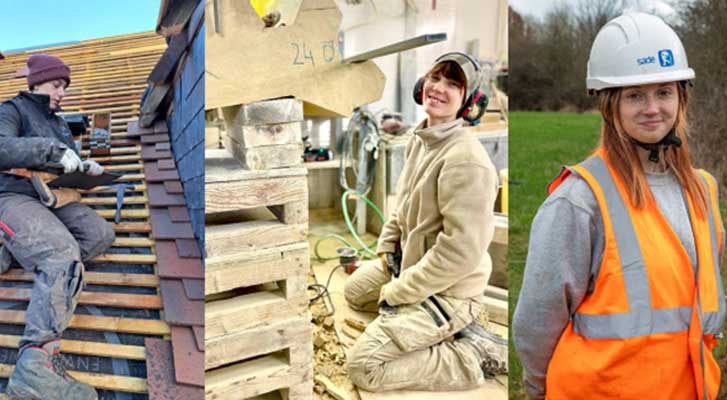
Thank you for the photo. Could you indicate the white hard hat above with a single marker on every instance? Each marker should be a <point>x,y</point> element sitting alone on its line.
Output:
<point>636,49</point>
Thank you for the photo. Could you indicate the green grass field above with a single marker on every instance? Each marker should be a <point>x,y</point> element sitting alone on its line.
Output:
<point>540,144</point>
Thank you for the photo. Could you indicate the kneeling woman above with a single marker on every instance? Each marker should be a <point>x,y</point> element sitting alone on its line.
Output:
<point>439,233</point>
<point>622,296</point>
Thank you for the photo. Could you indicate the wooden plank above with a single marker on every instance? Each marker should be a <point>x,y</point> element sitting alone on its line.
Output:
<point>220,166</point>
<point>236,314</point>
<point>221,197</point>
<point>501,229</point>
<point>109,159</point>
<point>291,213</point>
<point>126,258</point>
<point>97,323</point>
<point>168,61</point>
<point>265,135</point>
<point>109,214</point>
<point>117,150</point>
<point>124,167</point>
<point>93,278</point>
<point>87,348</point>
<point>265,112</point>
<point>266,157</point>
<point>105,189</point>
<point>330,86</point>
<point>294,334</point>
<point>132,227</point>
<point>226,239</point>
<point>107,299</point>
<point>496,310</point>
<point>251,378</point>
<point>247,268</point>
<point>95,201</point>
<point>132,242</point>
<point>99,381</point>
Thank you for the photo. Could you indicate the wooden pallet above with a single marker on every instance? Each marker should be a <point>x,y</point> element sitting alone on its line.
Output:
<point>276,356</point>
<point>273,281</point>
<point>258,336</point>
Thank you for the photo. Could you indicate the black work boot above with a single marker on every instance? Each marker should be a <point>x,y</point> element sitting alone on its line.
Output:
<point>39,375</point>
<point>492,349</point>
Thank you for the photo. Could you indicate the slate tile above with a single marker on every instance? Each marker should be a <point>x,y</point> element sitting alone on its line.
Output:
<point>162,226</point>
<point>133,129</point>
<point>170,265</point>
<point>160,374</point>
<point>158,196</point>
<point>178,309</point>
<point>155,138</point>
<point>188,360</point>
<point>154,174</point>
<point>174,187</point>
<point>166,164</point>
<point>163,146</point>
<point>199,336</point>
<point>150,153</point>
<point>179,214</point>
<point>188,248</point>
<point>194,288</point>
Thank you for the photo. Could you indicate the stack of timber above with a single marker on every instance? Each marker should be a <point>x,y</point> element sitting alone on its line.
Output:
<point>258,331</point>
<point>265,134</point>
<point>120,339</point>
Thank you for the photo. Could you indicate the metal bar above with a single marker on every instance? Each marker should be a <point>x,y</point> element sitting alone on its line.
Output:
<point>398,47</point>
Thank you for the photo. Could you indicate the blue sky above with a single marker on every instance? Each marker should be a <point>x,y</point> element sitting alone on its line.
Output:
<point>31,23</point>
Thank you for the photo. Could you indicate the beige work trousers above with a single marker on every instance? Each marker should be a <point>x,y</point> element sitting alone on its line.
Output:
<point>411,347</point>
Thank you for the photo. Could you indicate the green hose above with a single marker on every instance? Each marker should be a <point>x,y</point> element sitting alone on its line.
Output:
<point>365,250</point>
<point>330,236</point>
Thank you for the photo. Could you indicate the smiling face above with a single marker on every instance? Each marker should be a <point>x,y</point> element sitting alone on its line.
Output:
<point>55,89</point>
<point>648,112</point>
<point>443,92</point>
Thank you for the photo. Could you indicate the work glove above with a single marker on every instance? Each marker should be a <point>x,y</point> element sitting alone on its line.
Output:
<point>91,167</point>
<point>70,161</point>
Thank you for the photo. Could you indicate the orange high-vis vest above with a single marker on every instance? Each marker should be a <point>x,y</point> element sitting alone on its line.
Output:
<point>647,327</point>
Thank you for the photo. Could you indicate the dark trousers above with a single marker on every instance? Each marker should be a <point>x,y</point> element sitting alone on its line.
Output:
<point>53,244</point>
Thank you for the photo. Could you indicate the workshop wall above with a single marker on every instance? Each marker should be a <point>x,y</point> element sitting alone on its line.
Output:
<point>474,26</point>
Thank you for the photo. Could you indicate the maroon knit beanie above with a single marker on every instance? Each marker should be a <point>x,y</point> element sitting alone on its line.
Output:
<point>45,67</point>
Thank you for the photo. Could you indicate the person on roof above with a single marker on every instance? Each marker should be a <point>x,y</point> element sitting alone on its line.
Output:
<point>622,295</point>
<point>434,267</point>
<point>53,243</point>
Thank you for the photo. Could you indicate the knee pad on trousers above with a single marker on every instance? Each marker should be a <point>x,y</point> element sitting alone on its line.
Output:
<point>63,289</point>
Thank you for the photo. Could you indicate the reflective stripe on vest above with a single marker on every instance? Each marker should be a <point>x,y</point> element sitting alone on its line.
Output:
<point>713,322</point>
<point>641,319</point>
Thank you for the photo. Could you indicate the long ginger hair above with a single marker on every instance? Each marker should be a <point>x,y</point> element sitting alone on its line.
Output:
<point>623,156</point>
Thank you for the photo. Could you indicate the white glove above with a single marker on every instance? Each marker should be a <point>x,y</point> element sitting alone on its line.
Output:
<point>91,167</point>
<point>70,161</point>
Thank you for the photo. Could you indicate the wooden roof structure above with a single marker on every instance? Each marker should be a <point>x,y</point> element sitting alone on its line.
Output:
<point>124,334</point>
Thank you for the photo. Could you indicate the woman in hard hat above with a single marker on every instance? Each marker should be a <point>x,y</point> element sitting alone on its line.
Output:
<point>622,296</point>
<point>435,268</point>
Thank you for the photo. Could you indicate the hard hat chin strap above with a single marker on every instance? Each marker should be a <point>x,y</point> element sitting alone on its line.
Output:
<point>671,139</point>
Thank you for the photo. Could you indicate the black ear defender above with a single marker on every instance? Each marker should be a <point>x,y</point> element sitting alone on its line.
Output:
<point>473,107</point>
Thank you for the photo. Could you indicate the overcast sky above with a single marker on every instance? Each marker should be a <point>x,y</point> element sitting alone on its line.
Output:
<point>538,8</point>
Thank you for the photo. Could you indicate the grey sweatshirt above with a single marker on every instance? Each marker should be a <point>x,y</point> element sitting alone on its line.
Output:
<point>566,246</point>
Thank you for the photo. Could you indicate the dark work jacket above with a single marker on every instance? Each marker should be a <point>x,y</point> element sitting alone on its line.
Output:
<point>31,136</point>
